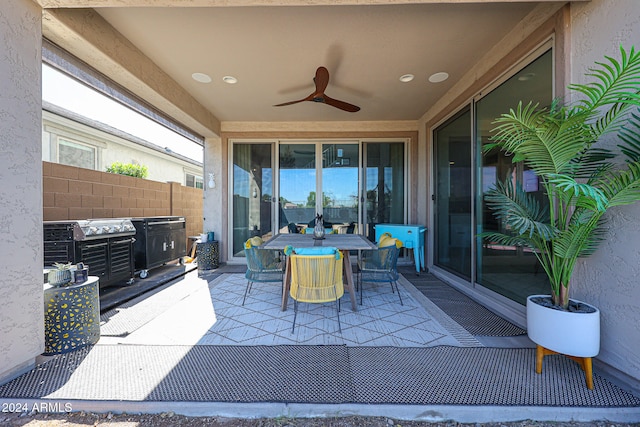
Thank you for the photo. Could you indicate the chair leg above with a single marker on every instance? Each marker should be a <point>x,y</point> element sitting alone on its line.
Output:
<point>398,289</point>
<point>246,291</point>
<point>295,314</point>
<point>337,309</point>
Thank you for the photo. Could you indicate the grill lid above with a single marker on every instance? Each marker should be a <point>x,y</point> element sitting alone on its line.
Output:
<point>87,229</point>
<point>101,227</point>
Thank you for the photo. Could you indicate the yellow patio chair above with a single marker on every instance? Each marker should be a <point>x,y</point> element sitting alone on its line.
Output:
<point>316,277</point>
<point>263,265</point>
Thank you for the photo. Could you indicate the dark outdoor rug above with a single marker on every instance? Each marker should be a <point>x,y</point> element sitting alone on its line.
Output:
<point>316,374</point>
<point>473,317</point>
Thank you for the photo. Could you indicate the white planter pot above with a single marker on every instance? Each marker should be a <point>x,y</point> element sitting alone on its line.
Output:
<point>570,333</point>
<point>59,277</point>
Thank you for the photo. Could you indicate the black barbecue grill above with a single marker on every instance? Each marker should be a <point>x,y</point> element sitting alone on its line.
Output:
<point>159,239</point>
<point>105,245</point>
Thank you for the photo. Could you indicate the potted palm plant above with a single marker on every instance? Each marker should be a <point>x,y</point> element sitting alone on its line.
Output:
<point>587,159</point>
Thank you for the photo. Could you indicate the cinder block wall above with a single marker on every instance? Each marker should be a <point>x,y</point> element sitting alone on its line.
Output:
<point>188,202</point>
<point>75,193</point>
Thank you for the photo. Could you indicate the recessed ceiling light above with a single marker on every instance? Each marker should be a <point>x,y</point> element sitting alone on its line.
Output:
<point>406,78</point>
<point>201,77</point>
<point>230,79</point>
<point>438,77</point>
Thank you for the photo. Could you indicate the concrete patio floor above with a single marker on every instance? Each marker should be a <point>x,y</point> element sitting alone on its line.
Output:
<point>164,342</point>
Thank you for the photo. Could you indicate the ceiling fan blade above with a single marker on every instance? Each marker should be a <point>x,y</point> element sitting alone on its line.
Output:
<point>308,98</point>
<point>322,80</point>
<point>341,104</point>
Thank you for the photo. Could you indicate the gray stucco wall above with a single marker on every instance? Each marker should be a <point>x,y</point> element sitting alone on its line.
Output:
<point>611,278</point>
<point>213,212</point>
<point>21,314</point>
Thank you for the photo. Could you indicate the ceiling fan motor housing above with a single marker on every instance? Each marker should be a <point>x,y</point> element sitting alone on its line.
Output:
<point>321,81</point>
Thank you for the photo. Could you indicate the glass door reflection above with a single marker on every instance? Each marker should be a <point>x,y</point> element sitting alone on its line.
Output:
<point>340,165</point>
<point>311,169</point>
<point>511,271</point>
<point>252,193</point>
<point>384,185</point>
<point>453,232</point>
<point>298,186</point>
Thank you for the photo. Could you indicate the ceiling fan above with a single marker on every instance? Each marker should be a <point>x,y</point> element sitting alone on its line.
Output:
<point>322,80</point>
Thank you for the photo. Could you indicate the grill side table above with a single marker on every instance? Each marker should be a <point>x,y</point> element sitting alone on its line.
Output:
<point>71,316</point>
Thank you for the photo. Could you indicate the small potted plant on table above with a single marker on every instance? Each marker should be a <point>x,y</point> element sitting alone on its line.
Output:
<point>60,275</point>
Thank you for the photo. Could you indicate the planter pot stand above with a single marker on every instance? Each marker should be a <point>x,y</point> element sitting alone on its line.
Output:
<point>575,335</point>
<point>584,363</point>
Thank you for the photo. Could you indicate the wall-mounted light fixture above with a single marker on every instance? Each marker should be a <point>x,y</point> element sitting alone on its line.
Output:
<point>255,193</point>
<point>212,182</point>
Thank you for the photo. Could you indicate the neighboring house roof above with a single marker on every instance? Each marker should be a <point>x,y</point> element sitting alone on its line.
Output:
<point>103,127</point>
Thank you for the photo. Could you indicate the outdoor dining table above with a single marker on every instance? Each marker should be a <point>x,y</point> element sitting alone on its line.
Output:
<point>343,242</point>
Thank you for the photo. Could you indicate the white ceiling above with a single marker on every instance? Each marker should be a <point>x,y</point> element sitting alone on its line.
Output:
<point>274,53</point>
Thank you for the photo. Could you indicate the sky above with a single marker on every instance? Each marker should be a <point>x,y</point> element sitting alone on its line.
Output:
<point>67,93</point>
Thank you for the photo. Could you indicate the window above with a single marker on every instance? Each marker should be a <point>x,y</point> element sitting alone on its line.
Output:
<point>194,181</point>
<point>76,154</point>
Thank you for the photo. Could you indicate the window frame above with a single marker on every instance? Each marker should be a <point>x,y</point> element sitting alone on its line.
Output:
<point>59,139</point>
<point>196,179</point>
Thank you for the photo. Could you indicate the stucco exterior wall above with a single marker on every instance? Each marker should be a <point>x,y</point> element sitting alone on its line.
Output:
<point>214,211</point>
<point>609,279</point>
<point>21,315</point>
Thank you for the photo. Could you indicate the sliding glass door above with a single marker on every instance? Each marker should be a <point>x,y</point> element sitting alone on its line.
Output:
<point>297,185</point>
<point>384,176</point>
<point>340,185</point>
<point>307,170</point>
<point>353,184</point>
<point>509,270</point>
<point>453,220</point>
<point>252,193</point>
<point>464,172</point>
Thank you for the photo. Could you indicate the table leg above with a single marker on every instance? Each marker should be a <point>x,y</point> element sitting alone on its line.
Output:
<point>286,283</point>
<point>348,272</point>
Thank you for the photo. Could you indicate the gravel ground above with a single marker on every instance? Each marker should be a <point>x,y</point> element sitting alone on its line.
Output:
<point>82,419</point>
